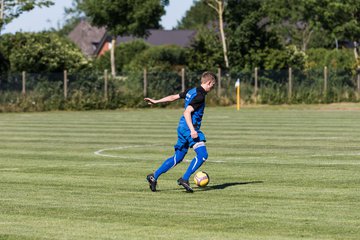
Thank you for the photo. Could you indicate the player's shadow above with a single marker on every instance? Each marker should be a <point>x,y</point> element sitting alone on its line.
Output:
<point>225,185</point>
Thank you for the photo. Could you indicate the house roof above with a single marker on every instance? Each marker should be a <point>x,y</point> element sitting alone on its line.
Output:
<point>87,37</point>
<point>182,38</point>
<point>91,39</point>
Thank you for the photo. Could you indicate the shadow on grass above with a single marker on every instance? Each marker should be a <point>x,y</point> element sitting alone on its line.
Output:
<point>225,185</point>
<point>214,187</point>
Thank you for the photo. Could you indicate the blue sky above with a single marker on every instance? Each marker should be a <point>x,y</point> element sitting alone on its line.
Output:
<point>53,17</point>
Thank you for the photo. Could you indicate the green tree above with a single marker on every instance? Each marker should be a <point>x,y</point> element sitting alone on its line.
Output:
<point>198,16</point>
<point>299,21</point>
<point>219,7</point>
<point>11,9</point>
<point>205,52</point>
<point>41,52</point>
<point>341,19</point>
<point>124,54</point>
<point>294,20</point>
<point>123,17</point>
<point>159,58</point>
<point>249,36</point>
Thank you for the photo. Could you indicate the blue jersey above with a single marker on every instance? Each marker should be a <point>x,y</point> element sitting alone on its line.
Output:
<point>194,97</point>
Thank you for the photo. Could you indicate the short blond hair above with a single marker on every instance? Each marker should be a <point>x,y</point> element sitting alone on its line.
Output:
<point>208,76</point>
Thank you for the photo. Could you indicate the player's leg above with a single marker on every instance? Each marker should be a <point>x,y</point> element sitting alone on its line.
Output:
<point>181,149</point>
<point>201,157</point>
<point>170,163</point>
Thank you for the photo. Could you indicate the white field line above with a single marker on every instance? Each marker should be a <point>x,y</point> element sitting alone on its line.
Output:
<point>102,153</point>
<point>336,154</point>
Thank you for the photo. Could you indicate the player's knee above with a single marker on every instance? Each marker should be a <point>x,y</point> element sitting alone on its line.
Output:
<point>204,155</point>
<point>201,151</point>
<point>179,156</point>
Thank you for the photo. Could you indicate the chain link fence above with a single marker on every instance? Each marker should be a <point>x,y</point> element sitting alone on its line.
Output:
<point>86,90</point>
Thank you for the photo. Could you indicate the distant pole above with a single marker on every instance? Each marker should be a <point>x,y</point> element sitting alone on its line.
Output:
<point>106,84</point>
<point>219,82</point>
<point>65,84</point>
<point>23,83</point>
<point>183,80</point>
<point>145,82</point>
<point>358,82</point>
<point>290,84</point>
<point>325,80</point>
<point>256,82</point>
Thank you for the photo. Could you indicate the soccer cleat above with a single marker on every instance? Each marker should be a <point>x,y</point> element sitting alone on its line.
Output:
<point>152,182</point>
<point>185,184</point>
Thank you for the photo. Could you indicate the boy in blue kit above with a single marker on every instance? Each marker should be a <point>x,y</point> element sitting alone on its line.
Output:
<point>189,134</point>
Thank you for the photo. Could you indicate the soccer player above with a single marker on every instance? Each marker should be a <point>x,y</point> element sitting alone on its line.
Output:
<point>189,134</point>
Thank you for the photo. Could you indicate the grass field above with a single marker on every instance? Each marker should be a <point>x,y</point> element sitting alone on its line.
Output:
<point>276,173</point>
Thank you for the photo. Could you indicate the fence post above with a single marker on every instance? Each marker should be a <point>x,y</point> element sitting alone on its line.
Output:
<point>106,84</point>
<point>325,80</point>
<point>358,82</point>
<point>219,82</point>
<point>23,83</point>
<point>145,82</point>
<point>183,80</point>
<point>290,84</point>
<point>65,84</point>
<point>256,82</point>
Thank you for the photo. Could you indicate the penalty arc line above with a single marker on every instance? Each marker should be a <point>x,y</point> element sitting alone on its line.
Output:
<point>102,153</point>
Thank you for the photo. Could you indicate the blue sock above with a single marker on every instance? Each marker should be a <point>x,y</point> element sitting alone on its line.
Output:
<point>170,163</point>
<point>201,156</point>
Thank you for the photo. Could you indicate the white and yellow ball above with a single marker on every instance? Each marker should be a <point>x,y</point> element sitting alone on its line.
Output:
<point>201,179</point>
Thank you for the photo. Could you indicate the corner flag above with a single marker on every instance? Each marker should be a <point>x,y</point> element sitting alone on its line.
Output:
<point>237,86</point>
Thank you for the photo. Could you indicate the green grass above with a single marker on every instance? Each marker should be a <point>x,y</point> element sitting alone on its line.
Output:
<point>276,173</point>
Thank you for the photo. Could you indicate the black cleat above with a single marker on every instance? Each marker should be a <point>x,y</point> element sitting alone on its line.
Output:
<point>152,182</point>
<point>185,184</point>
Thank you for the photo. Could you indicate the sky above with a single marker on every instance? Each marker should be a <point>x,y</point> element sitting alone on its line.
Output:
<point>54,17</point>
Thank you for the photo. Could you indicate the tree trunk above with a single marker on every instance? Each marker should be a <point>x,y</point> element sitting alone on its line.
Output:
<point>2,9</point>
<point>219,8</point>
<point>306,37</point>
<point>221,26</point>
<point>112,56</point>
<point>336,43</point>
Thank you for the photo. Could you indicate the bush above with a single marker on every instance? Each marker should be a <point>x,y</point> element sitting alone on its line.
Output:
<point>124,54</point>
<point>41,52</point>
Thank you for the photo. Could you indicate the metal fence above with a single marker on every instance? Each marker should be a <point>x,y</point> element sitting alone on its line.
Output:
<point>257,86</point>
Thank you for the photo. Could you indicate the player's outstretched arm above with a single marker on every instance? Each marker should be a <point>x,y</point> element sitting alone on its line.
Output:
<point>169,98</point>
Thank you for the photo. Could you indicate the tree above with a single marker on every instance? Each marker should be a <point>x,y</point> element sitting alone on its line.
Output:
<point>198,16</point>
<point>11,9</point>
<point>341,19</point>
<point>219,6</point>
<point>41,52</point>
<point>124,54</point>
<point>298,21</point>
<point>248,34</point>
<point>123,17</point>
<point>295,20</point>
<point>205,52</point>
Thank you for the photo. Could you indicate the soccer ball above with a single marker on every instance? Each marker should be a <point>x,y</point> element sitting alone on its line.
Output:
<point>201,179</point>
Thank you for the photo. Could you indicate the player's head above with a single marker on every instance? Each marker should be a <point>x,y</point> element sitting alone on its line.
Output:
<point>208,80</point>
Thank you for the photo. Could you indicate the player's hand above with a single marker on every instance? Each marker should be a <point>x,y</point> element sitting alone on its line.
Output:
<point>150,101</point>
<point>194,134</point>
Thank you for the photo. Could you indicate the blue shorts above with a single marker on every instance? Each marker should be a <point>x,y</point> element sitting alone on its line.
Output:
<point>185,140</point>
